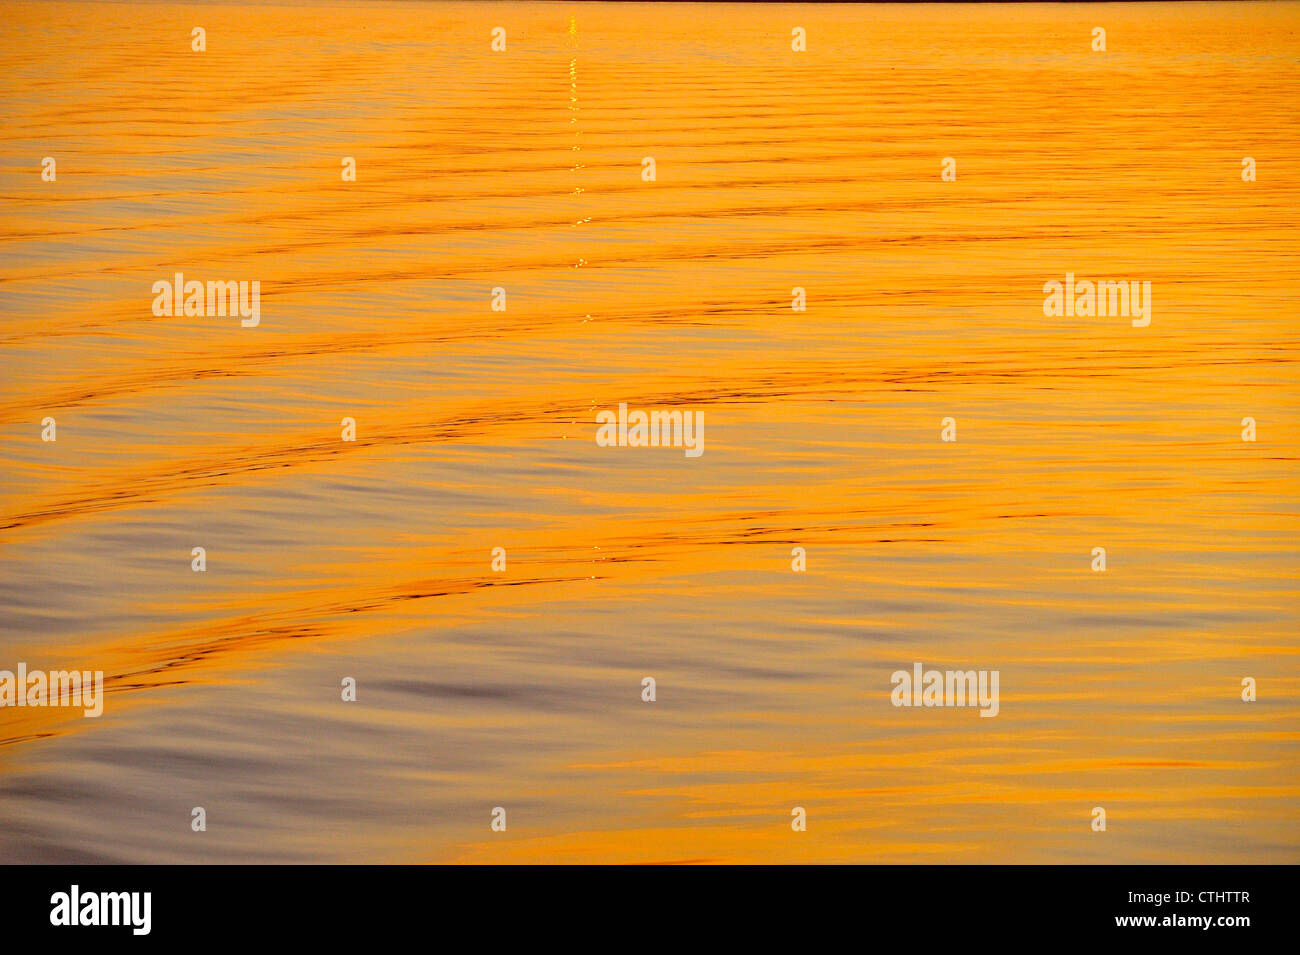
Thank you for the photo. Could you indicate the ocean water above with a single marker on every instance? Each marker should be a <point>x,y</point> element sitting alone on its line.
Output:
<point>522,688</point>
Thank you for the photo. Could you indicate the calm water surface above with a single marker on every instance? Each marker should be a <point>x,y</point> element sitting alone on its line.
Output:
<point>475,430</point>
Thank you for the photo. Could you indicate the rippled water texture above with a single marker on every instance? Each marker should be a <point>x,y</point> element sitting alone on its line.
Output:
<point>475,429</point>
